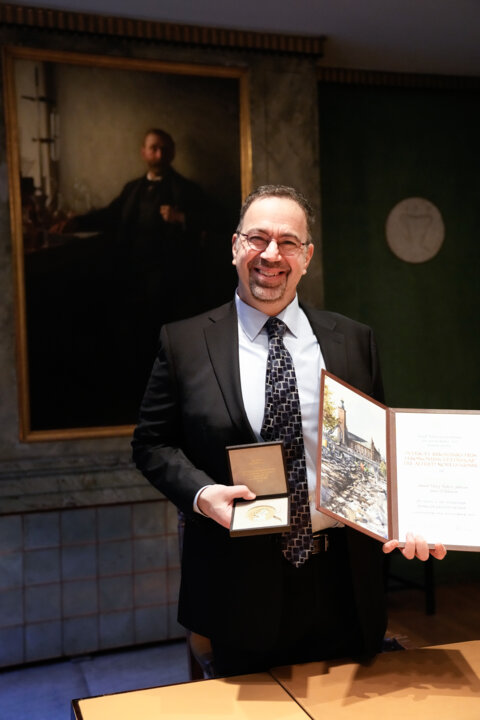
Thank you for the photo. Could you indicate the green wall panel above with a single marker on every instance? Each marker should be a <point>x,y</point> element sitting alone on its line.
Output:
<point>378,146</point>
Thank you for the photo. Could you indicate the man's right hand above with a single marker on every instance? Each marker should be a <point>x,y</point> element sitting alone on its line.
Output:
<point>216,501</point>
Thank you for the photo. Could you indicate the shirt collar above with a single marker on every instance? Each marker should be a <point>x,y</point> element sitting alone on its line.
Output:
<point>253,320</point>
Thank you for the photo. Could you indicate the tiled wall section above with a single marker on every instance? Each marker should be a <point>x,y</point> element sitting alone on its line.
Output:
<point>76,581</point>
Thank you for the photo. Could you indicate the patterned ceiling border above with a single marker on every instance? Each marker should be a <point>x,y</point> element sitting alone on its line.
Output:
<point>48,19</point>
<point>347,76</point>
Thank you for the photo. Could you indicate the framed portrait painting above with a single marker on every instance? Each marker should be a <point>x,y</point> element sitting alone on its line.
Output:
<point>126,177</point>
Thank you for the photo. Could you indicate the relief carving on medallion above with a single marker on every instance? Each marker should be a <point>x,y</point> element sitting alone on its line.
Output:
<point>415,230</point>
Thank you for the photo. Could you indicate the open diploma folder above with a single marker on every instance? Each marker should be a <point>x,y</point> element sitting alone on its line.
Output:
<point>388,471</point>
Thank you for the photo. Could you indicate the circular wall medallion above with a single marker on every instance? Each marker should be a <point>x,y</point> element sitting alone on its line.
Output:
<point>415,230</point>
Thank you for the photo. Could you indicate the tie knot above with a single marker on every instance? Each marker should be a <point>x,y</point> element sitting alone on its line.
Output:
<point>275,328</point>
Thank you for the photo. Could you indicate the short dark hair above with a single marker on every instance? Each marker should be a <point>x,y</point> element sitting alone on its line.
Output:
<point>282,191</point>
<point>169,141</point>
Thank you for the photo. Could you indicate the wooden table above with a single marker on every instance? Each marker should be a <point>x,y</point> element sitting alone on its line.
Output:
<point>249,697</point>
<point>436,683</point>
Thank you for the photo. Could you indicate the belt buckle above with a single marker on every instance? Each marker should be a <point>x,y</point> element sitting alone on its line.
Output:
<point>320,543</point>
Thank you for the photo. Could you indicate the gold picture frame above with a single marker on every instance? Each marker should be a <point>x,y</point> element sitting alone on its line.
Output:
<point>106,105</point>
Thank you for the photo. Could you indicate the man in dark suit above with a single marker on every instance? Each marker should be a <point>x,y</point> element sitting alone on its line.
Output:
<point>152,211</point>
<point>206,392</point>
<point>155,224</point>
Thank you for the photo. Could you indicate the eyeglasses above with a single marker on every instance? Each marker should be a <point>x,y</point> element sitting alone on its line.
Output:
<point>287,246</point>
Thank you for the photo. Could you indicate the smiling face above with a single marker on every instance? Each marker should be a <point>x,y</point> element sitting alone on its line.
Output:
<point>266,280</point>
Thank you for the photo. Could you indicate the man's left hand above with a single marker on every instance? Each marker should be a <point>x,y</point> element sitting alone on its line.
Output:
<point>171,215</point>
<point>416,546</point>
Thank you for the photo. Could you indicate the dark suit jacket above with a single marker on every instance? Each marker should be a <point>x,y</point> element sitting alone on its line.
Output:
<point>119,216</point>
<point>193,409</point>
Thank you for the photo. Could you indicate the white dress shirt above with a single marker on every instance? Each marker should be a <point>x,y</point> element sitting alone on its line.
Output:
<point>303,346</point>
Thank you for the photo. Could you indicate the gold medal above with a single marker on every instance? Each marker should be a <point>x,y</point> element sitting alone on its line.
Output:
<point>262,513</point>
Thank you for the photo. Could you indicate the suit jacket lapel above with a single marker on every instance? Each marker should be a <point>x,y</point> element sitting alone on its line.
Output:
<point>332,342</point>
<point>222,343</point>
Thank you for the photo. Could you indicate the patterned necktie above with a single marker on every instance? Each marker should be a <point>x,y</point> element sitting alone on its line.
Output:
<point>283,421</point>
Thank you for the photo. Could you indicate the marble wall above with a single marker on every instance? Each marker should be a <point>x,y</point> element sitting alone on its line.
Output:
<point>45,482</point>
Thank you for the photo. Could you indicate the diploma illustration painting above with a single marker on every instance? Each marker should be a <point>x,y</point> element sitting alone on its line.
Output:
<point>353,459</point>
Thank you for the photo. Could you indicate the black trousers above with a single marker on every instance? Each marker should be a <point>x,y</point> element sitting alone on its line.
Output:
<point>318,616</point>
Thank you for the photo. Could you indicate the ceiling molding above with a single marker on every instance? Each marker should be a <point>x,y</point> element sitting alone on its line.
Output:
<point>48,19</point>
<point>348,76</point>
